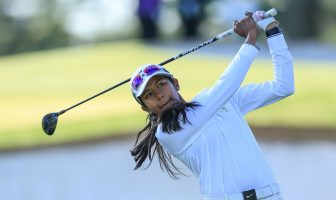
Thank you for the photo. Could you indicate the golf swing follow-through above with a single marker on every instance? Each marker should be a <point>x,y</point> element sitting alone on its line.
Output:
<point>49,121</point>
<point>209,134</point>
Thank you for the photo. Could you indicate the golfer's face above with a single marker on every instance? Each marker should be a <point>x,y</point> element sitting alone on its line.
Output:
<point>160,94</point>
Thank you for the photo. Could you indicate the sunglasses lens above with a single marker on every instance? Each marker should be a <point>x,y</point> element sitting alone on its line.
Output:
<point>137,82</point>
<point>151,69</point>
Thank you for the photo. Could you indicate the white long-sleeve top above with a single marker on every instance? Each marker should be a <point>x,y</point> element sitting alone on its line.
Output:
<point>218,146</point>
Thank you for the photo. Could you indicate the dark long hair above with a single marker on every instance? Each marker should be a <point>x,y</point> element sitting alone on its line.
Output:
<point>146,147</point>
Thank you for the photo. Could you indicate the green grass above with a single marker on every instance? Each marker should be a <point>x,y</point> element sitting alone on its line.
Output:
<point>34,84</point>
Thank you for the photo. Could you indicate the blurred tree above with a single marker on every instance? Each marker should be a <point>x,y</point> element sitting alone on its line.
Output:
<point>328,21</point>
<point>37,29</point>
<point>301,19</point>
<point>28,25</point>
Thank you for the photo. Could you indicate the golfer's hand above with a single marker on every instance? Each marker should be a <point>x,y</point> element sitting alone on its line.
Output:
<point>246,28</point>
<point>266,24</point>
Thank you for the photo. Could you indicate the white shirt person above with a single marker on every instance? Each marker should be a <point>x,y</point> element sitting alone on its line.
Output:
<point>214,141</point>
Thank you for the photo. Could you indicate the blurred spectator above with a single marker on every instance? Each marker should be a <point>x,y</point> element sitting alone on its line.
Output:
<point>148,12</point>
<point>192,13</point>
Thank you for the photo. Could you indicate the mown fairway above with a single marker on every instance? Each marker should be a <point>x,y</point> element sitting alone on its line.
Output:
<point>35,84</point>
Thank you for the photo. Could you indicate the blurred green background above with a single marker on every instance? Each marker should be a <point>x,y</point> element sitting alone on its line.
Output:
<point>57,53</point>
<point>30,25</point>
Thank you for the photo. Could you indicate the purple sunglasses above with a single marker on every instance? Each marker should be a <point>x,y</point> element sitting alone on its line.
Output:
<point>138,80</point>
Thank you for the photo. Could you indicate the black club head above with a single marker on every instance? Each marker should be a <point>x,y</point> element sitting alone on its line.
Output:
<point>49,123</point>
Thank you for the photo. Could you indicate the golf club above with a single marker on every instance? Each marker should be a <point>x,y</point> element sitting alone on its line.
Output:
<point>49,121</point>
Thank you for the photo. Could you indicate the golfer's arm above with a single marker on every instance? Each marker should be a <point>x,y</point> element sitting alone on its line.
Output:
<point>212,100</point>
<point>253,96</point>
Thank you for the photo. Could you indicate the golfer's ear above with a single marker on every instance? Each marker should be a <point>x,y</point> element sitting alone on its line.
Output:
<point>176,84</point>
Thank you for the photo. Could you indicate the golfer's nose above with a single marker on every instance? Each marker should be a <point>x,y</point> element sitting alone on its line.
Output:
<point>159,96</point>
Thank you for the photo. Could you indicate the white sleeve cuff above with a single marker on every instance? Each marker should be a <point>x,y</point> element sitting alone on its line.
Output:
<point>276,43</point>
<point>249,50</point>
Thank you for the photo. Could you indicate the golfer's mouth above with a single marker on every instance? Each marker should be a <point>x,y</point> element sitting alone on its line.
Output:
<point>167,105</point>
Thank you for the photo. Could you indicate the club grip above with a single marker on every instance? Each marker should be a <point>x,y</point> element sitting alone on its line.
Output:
<point>270,13</point>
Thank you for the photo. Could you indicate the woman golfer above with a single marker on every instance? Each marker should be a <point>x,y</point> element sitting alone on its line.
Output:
<point>209,134</point>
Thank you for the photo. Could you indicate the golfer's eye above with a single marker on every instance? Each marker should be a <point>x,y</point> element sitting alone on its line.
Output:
<point>148,95</point>
<point>161,83</point>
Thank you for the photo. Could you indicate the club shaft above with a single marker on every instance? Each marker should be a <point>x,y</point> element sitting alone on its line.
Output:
<point>227,33</point>
<point>220,36</point>
<point>88,99</point>
<point>212,40</point>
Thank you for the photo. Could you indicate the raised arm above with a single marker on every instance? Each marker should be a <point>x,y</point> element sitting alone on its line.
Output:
<point>217,96</point>
<point>254,96</point>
